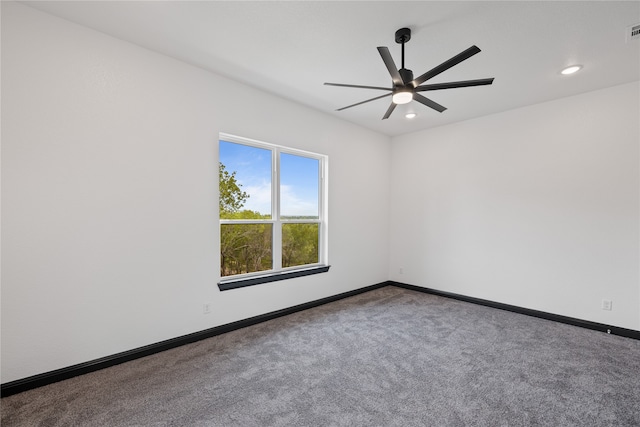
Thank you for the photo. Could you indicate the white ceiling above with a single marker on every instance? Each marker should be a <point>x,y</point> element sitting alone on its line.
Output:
<point>290,48</point>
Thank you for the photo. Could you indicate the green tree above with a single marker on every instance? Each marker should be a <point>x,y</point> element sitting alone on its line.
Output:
<point>244,248</point>
<point>232,198</point>
<point>299,244</point>
<point>247,248</point>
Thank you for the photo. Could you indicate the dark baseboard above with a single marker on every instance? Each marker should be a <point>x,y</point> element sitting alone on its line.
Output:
<point>46,378</point>
<point>43,379</point>
<point>614,330</point>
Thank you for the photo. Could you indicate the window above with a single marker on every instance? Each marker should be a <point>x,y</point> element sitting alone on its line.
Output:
<point>272,212</point>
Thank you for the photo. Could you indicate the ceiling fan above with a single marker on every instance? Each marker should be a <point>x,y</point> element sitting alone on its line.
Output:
<point>405,88</point>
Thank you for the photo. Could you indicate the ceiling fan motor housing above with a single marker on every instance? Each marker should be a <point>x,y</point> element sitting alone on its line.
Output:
<point>407,75</point>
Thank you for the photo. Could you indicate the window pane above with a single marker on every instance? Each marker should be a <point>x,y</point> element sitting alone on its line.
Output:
<point>245,181</point>
<point>298,186</point>
<point>245,248</point>
<point>299,244</point>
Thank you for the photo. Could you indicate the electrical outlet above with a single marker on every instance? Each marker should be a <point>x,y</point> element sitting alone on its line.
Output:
<point>206,308</point>
<point>401,270</point>
<point>607,304</point>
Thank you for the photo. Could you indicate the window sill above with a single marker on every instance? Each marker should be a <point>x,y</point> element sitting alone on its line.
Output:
<point>274,277</point>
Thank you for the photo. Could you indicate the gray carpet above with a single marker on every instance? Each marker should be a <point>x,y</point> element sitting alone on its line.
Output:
<point>389,357</point>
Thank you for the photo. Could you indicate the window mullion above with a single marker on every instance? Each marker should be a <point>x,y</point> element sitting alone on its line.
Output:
<point>275,203</point>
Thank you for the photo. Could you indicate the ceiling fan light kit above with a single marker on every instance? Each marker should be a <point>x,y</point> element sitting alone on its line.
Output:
<point>402,97</point>
<point>405,88</point>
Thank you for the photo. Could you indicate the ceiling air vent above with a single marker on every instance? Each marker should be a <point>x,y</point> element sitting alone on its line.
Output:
<point>633,32</point>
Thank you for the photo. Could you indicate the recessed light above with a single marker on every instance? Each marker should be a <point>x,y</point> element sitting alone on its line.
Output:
<point>410,115</point>
<point>570,70</point>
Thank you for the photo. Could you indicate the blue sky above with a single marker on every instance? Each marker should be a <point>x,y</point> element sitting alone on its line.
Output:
<point>298,179</point>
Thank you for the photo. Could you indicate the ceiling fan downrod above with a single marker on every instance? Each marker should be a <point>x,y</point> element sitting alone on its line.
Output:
<point>403,35</point>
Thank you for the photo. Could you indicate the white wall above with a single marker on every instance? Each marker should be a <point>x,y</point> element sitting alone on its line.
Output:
<point>109,199</point>
<point>109,187</point>
<point>535,207</point>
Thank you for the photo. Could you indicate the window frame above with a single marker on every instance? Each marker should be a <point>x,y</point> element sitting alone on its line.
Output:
<point>277,272</point>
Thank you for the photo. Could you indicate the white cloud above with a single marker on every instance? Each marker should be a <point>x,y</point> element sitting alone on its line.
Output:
<point>259,197</point>
<point>293,205</point>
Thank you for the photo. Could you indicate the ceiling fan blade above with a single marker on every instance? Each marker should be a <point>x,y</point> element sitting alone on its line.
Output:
<point>446,65</point>
<point>391,66</point>
<point>360,103</point>
<point>389,111</point>
<point>451,85</point>
<point>358,86</point>
<point>429,103</point>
